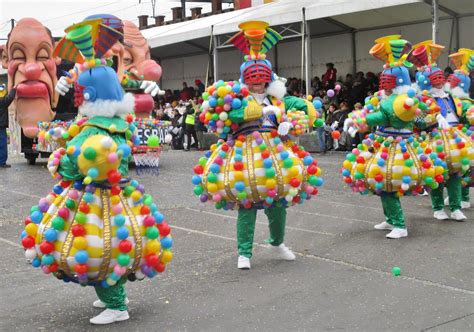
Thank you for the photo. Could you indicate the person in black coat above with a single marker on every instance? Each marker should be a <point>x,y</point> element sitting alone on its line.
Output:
<point>4,104</point>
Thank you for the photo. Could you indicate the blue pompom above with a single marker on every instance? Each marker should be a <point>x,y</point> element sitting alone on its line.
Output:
<point>284,155</point>
<point>166,242</point>
<point>239,186</point>
<point>119,220</point>
<point>196,180</point>
<point>81,256</point>
<point>317,104</point>
<point>267,162</point>
<point>308,160</point>
<point>122,233</point>
<point>36,262</point>
<point>36,217</point>
<point>51,235</point>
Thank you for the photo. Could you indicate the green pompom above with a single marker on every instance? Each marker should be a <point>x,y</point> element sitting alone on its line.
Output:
<point>90,153</point>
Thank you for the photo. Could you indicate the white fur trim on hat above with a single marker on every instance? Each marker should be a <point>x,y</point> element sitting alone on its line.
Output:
<point>277,89</point>
<point>108,108</point>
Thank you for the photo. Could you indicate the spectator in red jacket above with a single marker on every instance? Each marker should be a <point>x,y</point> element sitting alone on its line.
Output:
<point>329,78</point>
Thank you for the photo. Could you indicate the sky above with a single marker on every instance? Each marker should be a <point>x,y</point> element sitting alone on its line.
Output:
<point>59,14</point>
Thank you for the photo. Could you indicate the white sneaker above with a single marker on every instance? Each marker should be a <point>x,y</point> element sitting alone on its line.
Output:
<point>109,316</point>
<point>465,205</point>
<point>424,193</point>
<point>101,305</point>
<point>283,252</point>
<point>440,215</point>
<point>458,215</point>
<point>383,226</point>
<point>446,201</point>
<point>397,233</point>
<point>243,263</point>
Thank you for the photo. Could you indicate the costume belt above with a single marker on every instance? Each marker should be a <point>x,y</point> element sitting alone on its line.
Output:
<point>390,131</point>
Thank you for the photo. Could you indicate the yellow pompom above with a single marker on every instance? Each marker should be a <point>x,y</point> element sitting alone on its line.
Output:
<point>94,154</point>
<point>221,91</point>
<point>70,149</point>
<point>166,256</point>
<point>439,170</point>
<point>270,183</point>
<point>238,144</point>
<point>347,164</point>
<point>136,195</point>
<point>360,168</point>
<point>212,187</point>
<point>80,243</point>
<point>238,176</point>
<point>115,199</point>
<point>73,130</point>
<point>293,171</point>
<point>430,172</point>
<point>31,229</point>
<point>309,97</point>
<point>152,246</point>
<point>406,171</point>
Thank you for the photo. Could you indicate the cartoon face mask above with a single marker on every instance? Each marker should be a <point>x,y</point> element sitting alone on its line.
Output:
<point>430,77</point>
<point>32,70</point>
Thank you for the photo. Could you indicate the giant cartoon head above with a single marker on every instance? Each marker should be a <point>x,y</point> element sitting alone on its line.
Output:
<point>424,56</point>
<point>393,51</point>
<point>460,81</point>
<point>138,63</point>
<point>32,70</point>
<point>137,59</point>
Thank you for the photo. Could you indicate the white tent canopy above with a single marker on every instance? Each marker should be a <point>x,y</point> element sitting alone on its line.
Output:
<point>359,15</point>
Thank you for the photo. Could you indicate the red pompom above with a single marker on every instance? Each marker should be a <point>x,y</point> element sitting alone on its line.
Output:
<point>379,177</point>
<point>148,221</point>
<point>160,267</point>
<point>78,230</point>
<point>114,177</point>
<point>164,228</point>
<point>295,182</point>
<point>145,210</point>
<point>84,208</point>
<point>115,190</point>
<point>125,246</point>
<point>46,247</point>
<point>152,259</point>
<point>265,154</point>
<point>81,268</point>
<point>198,169</point>
<point>238,166</point>
<point>28,242</point>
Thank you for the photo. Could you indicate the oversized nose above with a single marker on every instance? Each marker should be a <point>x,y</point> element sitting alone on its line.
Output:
<point>32,71</point>
<point>150,70</point>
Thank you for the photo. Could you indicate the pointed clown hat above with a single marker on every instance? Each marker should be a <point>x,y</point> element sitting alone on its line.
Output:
<point>87,42</point>
<point>425,54</point>
<point>392,50</point>
<point>463,60</point>
<point>254,40</point>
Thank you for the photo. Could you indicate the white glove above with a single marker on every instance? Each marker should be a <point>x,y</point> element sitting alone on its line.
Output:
<point>62,87</point>
<point>442,122</point>
<point>334,125</point>
<point>284,128</point>
<point>347,124</point>
<point>352,131</point>
<point>151,88</point>
<point>267,110</point>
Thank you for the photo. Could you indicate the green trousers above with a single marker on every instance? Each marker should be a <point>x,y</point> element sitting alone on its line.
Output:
<point>246,228</point>
<point>114,296</point>
<point>392,210</point>
<point>453,184</point>
<point>465,194</point>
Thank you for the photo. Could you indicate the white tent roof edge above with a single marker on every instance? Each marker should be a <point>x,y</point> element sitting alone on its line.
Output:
<point>277,13</point>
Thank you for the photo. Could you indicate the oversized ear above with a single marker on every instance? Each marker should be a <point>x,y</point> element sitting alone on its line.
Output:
<point>4,56</point>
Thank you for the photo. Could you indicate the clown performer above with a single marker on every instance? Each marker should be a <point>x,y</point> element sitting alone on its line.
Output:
<point>131,59</point>
<point>97,227</point>
<point>458,85</point>
<point>258,166</point>
<point>441,121</point>
<point>391,161</point>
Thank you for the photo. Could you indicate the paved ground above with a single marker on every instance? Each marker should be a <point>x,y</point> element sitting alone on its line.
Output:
<point>341,279</point>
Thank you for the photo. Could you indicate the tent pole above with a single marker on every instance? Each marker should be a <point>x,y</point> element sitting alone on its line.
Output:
<point>308,58</point>
<point>303,28</point>
<point>215,58</point>
<point>209,55</point>
<point>456,18</point>
<point>354,54</point>
<point>434,18</point>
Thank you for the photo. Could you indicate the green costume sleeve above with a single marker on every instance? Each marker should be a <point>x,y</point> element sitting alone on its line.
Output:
<point>237,116</point>
<point>68,167</point>
<point>377,119</point>
<point>296,103</point>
